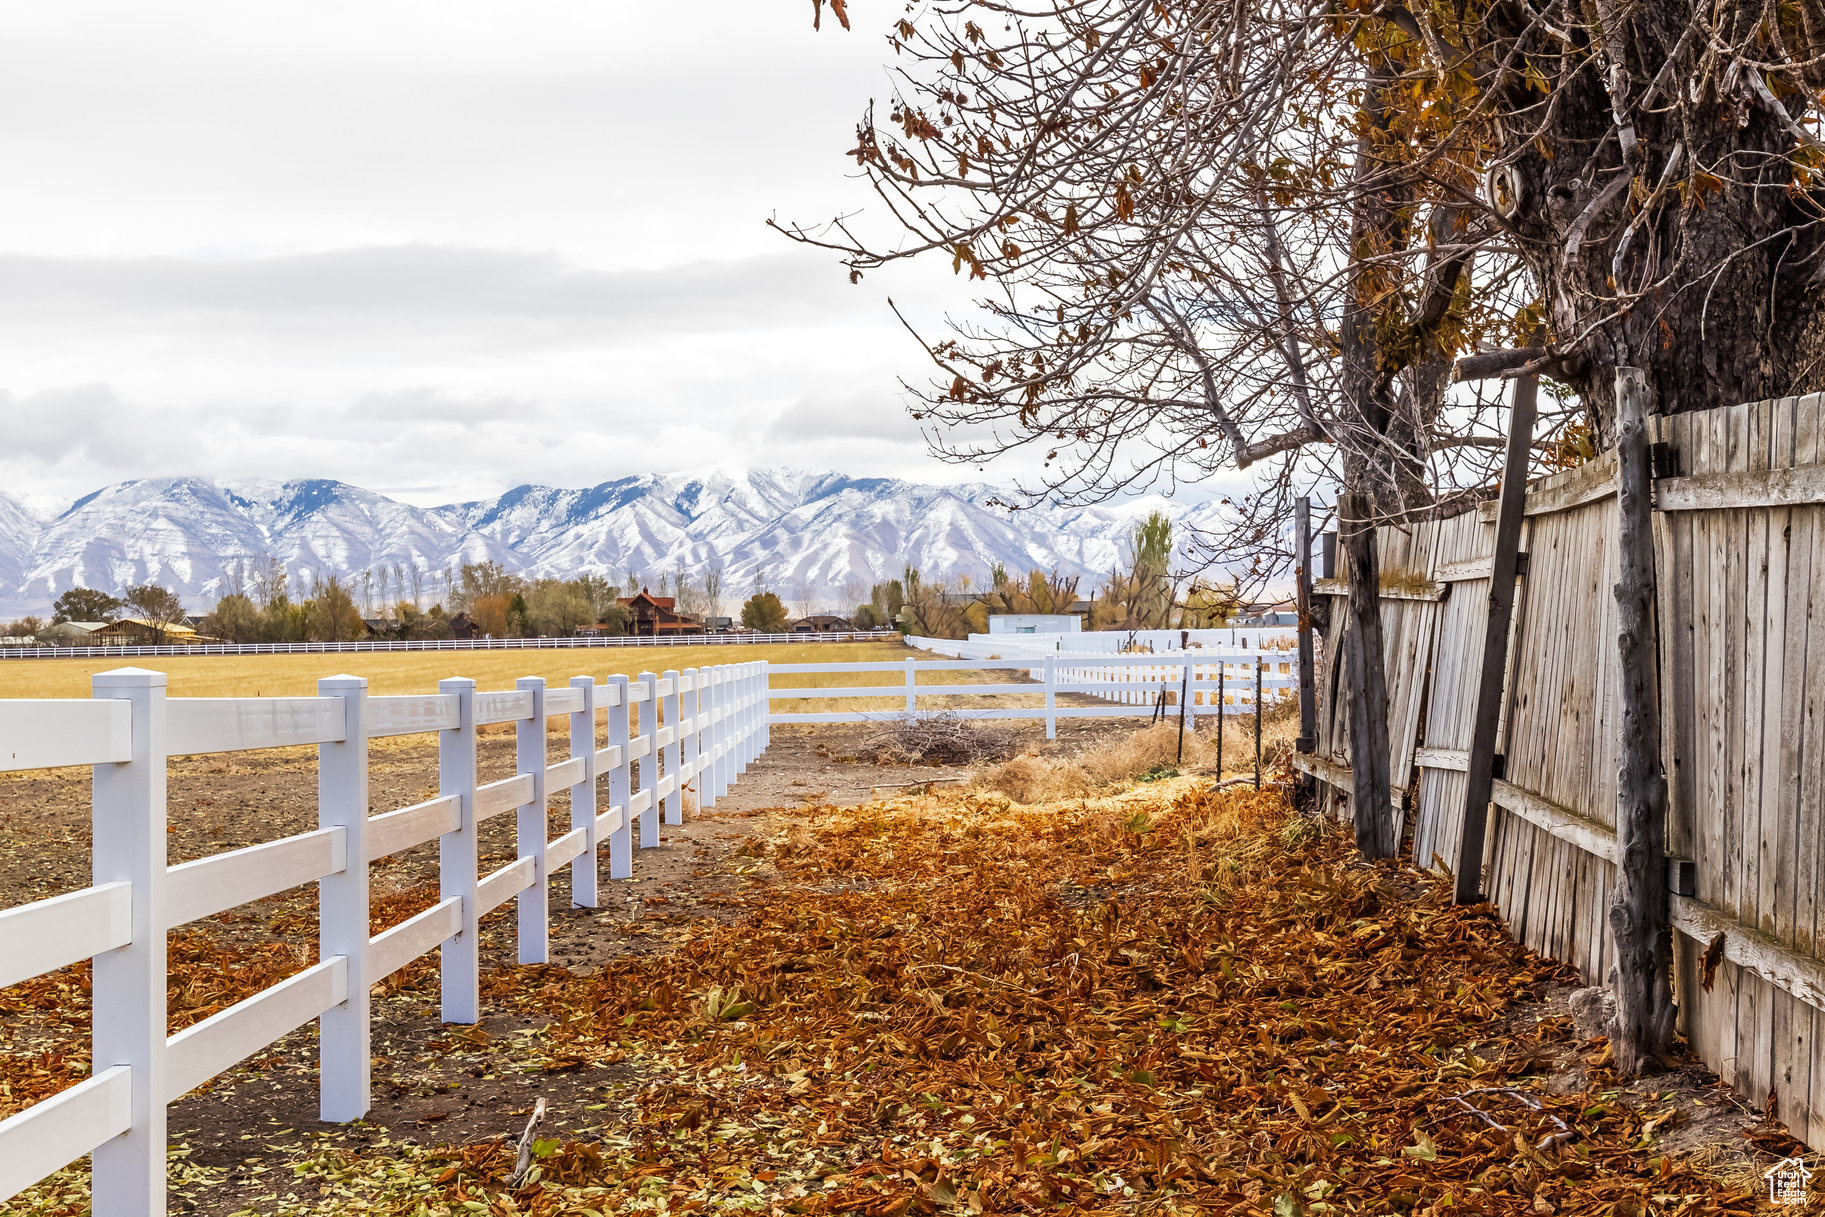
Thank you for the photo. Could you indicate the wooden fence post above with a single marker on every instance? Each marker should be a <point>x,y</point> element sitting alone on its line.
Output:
<point>342,906</point>
<point>458,858</point>
<point>532,827</point>
<point>127,1016</point>
<point>1640,916</point>
<point>1511,510</point>
<point>620,790</point>
<point>583,868</point>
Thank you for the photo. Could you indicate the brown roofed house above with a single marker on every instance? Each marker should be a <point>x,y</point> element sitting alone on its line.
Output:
<point>650,616</point>
<point>820,623</point>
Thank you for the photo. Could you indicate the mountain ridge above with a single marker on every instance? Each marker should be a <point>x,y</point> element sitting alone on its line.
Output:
<point>797,531</point>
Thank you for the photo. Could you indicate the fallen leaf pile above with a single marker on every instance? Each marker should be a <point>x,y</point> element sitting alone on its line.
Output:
<point>1166,1001</point>
<point>957,1004</point>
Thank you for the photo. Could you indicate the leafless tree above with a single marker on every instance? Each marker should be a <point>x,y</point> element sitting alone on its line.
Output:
<point>1214,236</point>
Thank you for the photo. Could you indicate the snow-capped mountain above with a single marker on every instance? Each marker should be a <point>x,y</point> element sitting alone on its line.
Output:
<point>792,530</point>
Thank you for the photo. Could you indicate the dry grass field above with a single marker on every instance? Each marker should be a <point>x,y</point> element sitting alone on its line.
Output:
<point>419,671</point>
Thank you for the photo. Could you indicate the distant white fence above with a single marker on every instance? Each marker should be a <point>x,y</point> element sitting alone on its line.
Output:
<point>1108,642</point>
<point>708,725</point>
<point>1191,684</point>
<point>438,644</point>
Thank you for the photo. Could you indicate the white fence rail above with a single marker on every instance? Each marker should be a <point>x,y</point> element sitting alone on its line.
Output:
<point>708,724</point>
<point>1189,684</point>
<point>438,644</point>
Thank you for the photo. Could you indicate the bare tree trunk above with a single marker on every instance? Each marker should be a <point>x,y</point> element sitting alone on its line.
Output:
<point>1371,805</point>
<point>1308,683</point>
<point>1639,913</point>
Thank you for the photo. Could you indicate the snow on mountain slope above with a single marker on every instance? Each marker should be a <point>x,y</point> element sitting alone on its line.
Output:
<point>790,529</point>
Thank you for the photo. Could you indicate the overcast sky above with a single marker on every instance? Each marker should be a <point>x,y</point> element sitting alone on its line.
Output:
<point>439,249</point>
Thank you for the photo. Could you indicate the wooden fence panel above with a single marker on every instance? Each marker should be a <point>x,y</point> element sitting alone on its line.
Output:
<point>1463,541</point>
<point>1740,538</point>
<point>1559,748</point>
<point>1743,660</point>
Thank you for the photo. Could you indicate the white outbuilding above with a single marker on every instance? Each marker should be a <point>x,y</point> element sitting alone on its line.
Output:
<point>1034,623</point>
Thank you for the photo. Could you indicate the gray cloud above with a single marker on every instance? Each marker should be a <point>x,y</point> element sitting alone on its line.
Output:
<point>427,287</point>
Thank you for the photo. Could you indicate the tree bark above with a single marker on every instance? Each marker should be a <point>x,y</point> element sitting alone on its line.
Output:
<point>1371,805</point>
<point>1639,914</point>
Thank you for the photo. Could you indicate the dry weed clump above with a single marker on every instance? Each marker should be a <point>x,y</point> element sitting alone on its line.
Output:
<point>942,739</point>
<point>1154,750</point>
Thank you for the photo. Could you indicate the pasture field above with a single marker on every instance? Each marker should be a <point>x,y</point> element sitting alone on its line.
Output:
<point>419,671</point>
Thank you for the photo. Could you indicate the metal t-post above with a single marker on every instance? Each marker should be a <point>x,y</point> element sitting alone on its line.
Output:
<point>1257,720</point>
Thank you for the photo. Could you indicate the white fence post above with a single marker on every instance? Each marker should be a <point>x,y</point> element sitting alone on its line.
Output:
<point>726,734</point>
<point>532,827</point>
<point>583,794</point>
<point>693,715</point>
<point>128,983</point>
<point>620,841</point>
<point>743,694</point>
<point>912,689</point>
<point>342,906</point>
<point>1051,697</point>
<point>763,711</point>
<point>709,765</point>
<point>674,751</point>
<point>649,763</point>
<point>457,857</point>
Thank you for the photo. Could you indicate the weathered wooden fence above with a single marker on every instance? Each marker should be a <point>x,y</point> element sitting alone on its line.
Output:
<point>1740,552</point>
<point>698,726</point>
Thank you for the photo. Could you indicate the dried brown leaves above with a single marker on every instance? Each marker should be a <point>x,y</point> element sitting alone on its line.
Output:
<point>1147,1001</point>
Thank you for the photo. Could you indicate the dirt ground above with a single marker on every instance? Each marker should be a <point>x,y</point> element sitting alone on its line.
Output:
<point>431,1082</point>
<point>437,1084</point>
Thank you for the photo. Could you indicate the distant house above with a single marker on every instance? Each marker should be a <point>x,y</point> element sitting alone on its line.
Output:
<point>462,627</point>
<point>1284,613</point>
<point>652,616</point>
<point>138,631</point>
<point>820,623</point>
<point>719,625</point>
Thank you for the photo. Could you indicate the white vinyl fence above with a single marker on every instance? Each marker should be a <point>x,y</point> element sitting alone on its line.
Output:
<point>1191,684</point>
<point>440,644</point>
<point>707,724</point>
